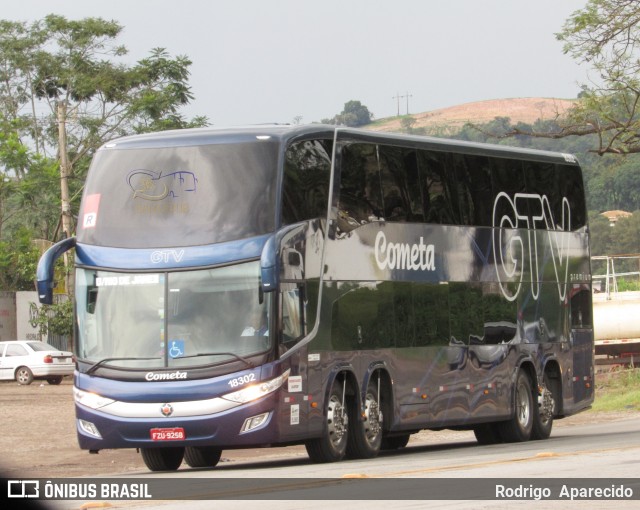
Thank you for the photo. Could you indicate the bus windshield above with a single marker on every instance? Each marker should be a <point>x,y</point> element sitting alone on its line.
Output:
<point>171,320</point>
<point>179,196</point>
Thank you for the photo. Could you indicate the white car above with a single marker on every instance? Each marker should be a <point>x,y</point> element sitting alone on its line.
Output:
<point>26,360</point>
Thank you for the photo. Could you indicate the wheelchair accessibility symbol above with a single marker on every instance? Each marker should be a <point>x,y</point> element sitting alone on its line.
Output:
<point>176,348</point>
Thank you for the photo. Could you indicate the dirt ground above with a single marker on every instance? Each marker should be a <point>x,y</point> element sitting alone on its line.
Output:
<point>38,436</point>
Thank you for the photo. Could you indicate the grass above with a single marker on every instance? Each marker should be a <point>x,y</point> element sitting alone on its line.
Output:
<point>618,390</point>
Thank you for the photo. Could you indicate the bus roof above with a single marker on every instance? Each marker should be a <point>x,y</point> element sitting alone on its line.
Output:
<point>286,133</point>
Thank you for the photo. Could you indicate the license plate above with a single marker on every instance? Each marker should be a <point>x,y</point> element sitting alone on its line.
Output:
<point>174,434</point>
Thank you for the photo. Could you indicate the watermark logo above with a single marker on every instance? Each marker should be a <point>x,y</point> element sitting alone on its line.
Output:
<point>23,489</point>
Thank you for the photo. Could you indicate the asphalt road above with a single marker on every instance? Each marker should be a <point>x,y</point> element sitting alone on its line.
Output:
<point>608,450</point>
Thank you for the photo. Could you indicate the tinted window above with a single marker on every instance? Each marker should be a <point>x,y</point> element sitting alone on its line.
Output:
<point>572,187</point>
<point>437,188</point>
<point>395,184</point>
<point>506,177</point>
<point>557,182</point>
<point>360,198</point>
<point>581,308</point>
<point>305,190</point>
<point>179,196</point>
<point>473,175</point>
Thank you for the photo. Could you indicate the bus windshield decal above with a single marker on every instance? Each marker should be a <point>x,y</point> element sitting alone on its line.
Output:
<point>150,185</point>
<point>91,205</point>
<point>124,280</point>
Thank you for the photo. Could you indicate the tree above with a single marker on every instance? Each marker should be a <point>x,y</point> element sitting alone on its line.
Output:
<point>62,88</point>
<point>64,92</point>
<point>606,36</point>
<point>354,114</point>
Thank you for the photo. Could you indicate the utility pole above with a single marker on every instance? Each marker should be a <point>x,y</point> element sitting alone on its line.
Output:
<point>398,97</point>
<point>408,96</point>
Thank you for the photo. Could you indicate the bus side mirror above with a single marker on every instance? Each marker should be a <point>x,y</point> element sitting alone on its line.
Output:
<point>270,257</point>
<point>46,265</point>
<point>268,266</point>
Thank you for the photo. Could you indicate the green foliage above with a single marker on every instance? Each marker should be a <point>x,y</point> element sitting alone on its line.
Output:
<point>75,63</point>
<point>407,122</point>
<point>606,36</point>
<point>354,114</point>
<point>18,262</point>
<point>56,319</point>
<point>618,391</point>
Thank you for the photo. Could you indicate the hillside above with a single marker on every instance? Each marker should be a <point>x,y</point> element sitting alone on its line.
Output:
<point>526,110</point>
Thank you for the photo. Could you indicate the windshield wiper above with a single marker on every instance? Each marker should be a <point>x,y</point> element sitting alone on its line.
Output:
<point>98,364</point>
<point>233,355</point>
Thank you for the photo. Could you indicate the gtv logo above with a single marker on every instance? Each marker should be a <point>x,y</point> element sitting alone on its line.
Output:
<point>528,211</point>
<point>166,256</point>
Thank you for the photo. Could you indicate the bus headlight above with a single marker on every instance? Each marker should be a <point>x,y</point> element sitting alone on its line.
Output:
<point>256,391</point>
<point>92,400</point>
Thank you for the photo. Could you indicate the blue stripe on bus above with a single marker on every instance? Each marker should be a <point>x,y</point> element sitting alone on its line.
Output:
<point>170,258</point>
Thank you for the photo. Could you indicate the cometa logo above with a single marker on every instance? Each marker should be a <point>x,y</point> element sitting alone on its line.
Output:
<point>414,257</point>
<point>165,376</point>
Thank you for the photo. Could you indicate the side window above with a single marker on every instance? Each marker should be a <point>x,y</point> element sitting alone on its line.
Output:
<point>473,174</point>
<point>292,313</point>
<point>572,187</point>
<point>400,183</point>
<point>305,189</point>
<point>16,350</point>
<point>581,308</point>
<point>437,188</point>
<point>360,199</point>
<point>506,177</point>
<point>558,182</point>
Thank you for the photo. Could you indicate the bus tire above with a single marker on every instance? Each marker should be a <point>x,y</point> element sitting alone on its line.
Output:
<point>543,412</point>
<point>332,446</point>
<point>202,456</point>
<point>487,433</point>
<point>395,442</point>
<point>518,428</point>
<point>162,459</point>
<point>365,434</point>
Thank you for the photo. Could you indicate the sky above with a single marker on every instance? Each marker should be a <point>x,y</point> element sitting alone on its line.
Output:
<point>261,61</point>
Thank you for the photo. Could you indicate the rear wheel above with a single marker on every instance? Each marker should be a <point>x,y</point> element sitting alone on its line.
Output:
<point>365,435</point>
<point>55,380</point>
<point>332,446</point>
<point>543,411</point>
<point>162,459</point>
<point>24,375</point>
<point>202,456</point>
<point>518,428</point>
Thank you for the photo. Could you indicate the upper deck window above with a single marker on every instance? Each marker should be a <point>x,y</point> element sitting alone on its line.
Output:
<point>179,196</point>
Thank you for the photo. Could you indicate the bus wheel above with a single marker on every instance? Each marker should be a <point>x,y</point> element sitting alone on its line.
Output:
<point>543,412</point>
<point>332,446</point>
<point>365,436</point>
<point>395,442</point>
<point>202,456</point>
<point>518,428</point>
<point>487,433</point>
<point>162,459</point>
